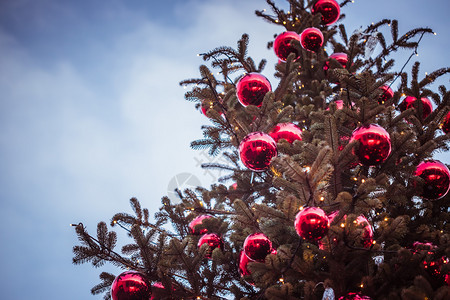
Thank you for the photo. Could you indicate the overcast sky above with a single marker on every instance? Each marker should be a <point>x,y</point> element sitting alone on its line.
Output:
<point>91,114</point>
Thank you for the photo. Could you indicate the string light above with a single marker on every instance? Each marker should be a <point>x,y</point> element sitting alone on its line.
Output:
<point>342,225</point>
<point>322,198</point>
<point>308,169</point>
<point>434,33</point>
<point>301,207</point>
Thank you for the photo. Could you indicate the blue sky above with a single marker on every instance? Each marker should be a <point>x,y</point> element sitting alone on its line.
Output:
<point>92,114</point>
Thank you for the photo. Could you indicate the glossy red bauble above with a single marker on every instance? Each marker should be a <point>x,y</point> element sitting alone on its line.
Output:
<point>257,246</point>
<point>445,126</point>
<point>130,285</point>
<point>198,221</point>
<point>311,39</point>
<point>437,179</point>
<point>243,262</point>
<point>354,296</point>
<point>341,58</point>
<point>288,131</point>
<point>212,240</point>
<point>387,94</point>
<point>410,102</point>
<point>283,45</point>
<point>329,9</point>
<point>312,223</point>
<point>256,151</point>
<point>207,106</point>
<point>365,237</point>
<point>252,88</point>
<point>374,144</point>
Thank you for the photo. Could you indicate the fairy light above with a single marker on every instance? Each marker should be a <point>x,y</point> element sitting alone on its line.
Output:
<point>355,179</point>
<point>322,198</point>
<point>281,280</point>
<point>363,180</point>
<point>284,22</point>
<point>308,169</point>
<point>342,225</point>
<point>386,219</point>
<point>362,285</point>
<point>236,128</point>
<point>434,33</point>
<point>301,207</point>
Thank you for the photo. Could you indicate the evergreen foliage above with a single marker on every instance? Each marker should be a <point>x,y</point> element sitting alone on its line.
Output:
<point>320,170</point>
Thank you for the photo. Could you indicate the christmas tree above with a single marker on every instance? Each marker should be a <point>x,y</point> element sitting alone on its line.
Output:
<point>331,181</point>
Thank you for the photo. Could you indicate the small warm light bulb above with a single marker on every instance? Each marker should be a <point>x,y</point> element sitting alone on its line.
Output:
<point>434,33</point>
<point>386,219</point>
<point>281,280</point>
<point>363,180</point>
<point>301,207</point>
<point>322,198</point>
<point>308,169</point>
<point>342,225</point>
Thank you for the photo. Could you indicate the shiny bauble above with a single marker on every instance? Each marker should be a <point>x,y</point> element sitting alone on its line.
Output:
<point>256,151</point>
<point>130,285</point>
<point>312,223</point>
<point>283,45</point>
<point>329,9</point>
<point>252,88</point>
<point>207,105</point>
<point>212,240</point>
<point>257,246</point>
<point>374,144</point>
<point>365,237</point>
<point>243,262</point>
<point>410,102</point>
<point>354,296</point>
<point>311,39</point>
<point>386,94</point>
<point>288,131</point>
<point>437,179</point>
<point>198,221</point>
<point>445,126</point>
<point>341,58</point>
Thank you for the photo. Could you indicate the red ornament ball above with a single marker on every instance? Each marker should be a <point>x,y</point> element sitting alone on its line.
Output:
<point>256,150</point>
<point>288,131</point>
<point>329,9</point>
<point>207,105</point>
<point>257,246</point>
<point>341,58</point>
<point>312,223</point>
<point>437,179</point>
<point>130,285</point>
<point>387,94</point>
<point>354,296</point>
<point>252,88</point>
<point>311,39</point>
<point>410,102</point>
<point>198,221</point>
<point>445,126</point>
<point>212,240</point>
<point>243,262</point>
<point>366,236</point>
<point>283,45</point>
<point>374,144</point>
